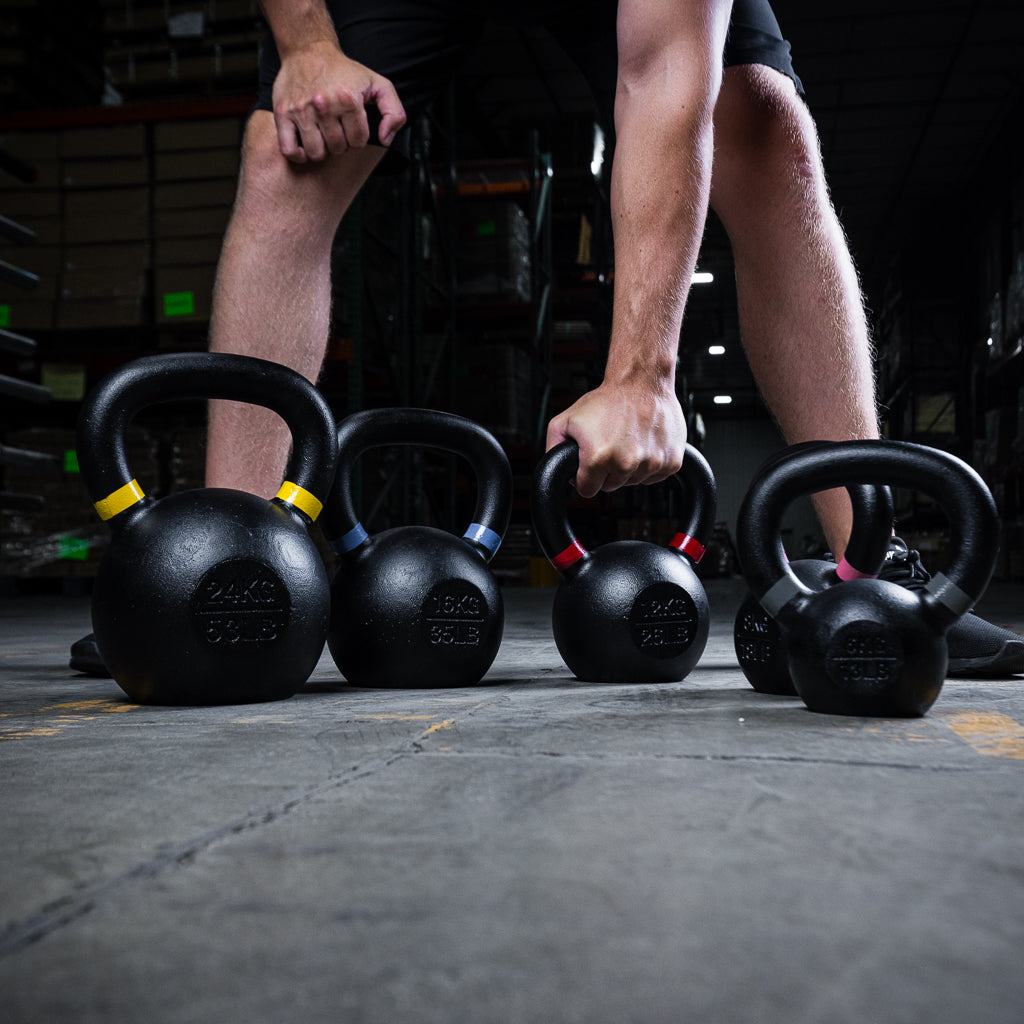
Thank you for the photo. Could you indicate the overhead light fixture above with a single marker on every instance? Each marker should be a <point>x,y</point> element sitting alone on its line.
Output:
<point>702,277</point>
<point>989,342</point>
<point>716,350</point>
<point>723,399</point>
<point>597,160</point>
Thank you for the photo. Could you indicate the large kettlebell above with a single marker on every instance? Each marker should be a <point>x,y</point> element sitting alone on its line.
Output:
<point>759,643</point>
<point>630,610</point>
<point>870,647</point>
<point>416,605</point>
<point>208,596</point>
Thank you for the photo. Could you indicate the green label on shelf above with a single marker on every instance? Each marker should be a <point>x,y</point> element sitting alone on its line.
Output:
<point>5,316</point>
<point>71,461</point>
<point>488,227</point>
<point>179,303</point>
<point>74,548</point>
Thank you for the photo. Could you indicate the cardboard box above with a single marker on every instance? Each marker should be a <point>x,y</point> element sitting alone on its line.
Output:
<point>116,202</point>
<point>179,252</point>
<point>26,313</point>
<point>191,194</point>
<point>106,282</point>
<point>111,312</point>
<point>116,170</point>
<point>123,227</point>
<point>209,133</point>
<point>103,142</point>
<point>191,223</point>
<point>189,165</point>
<point>102,256</point>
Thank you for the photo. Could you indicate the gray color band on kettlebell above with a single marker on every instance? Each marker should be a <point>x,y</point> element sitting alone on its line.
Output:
<point>478,534</point>
<point>779,594</point>
<point>350,540</point>
<point>947,593</point>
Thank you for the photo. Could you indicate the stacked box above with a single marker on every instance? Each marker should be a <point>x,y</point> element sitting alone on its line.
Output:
<point>64,537</point>
<point>493,251</point>
<point>105,174</point>
<point>498,394</point>
<point>195,174</point>
<point>36,206</point>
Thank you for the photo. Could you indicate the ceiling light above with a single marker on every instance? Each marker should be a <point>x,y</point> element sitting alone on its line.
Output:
<point>702,277</point>
<point>723,399</point>
<point>716,350</point>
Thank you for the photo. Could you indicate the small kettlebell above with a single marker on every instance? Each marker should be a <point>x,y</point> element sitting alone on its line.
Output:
<point>208,596</point>
<point>870,647</point>
<point>416,606</point>
<point>758,641</point>
<point>630,610</point>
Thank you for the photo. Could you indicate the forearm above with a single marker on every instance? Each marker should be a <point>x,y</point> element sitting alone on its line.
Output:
<point>660,178</point>
<point>296,24</point>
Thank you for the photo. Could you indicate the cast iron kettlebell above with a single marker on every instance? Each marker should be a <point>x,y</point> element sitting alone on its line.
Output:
<point>758,641</point>
<point>870,647</point>
<point>208,596</point>
<point>630,610</point>
<point>416,606</point>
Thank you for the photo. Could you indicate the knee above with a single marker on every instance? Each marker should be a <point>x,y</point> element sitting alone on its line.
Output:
<point>278,198</point>
<point>765,137</point>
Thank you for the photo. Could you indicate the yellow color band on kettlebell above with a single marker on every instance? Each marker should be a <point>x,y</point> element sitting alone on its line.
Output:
<point>119,500</point>
<point>298,496</point>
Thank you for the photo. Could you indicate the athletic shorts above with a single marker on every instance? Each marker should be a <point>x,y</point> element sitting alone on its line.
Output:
<point>420,45</point>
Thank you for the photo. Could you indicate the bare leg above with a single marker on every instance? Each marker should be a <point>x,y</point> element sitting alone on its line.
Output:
<point>801,312</point>
<point>273,291</point>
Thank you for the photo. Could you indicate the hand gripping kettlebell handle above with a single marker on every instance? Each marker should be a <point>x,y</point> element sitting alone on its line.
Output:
<point>425,428</point>
<point>111,406</point>
<point>559,543</point>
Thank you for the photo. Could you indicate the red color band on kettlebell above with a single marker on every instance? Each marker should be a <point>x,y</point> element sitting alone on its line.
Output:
<point>845,571</point>
<point>688,545</point>
<point>572,554</point>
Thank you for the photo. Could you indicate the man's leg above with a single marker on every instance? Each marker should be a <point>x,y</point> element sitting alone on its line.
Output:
<point>273,292</point>
<point>801,312</point>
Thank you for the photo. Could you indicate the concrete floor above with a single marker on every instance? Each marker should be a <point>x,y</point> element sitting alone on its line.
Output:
<point>530,850</point>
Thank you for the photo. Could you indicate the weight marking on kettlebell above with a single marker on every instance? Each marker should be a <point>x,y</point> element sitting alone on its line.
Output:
<point>240,601</point>
<point>663,620</point>
<point>453,614</point>
<point>864,657</point>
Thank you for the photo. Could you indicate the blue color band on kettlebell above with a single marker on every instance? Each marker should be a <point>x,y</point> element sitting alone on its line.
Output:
<point>478,534</point>
<point>350,540</point>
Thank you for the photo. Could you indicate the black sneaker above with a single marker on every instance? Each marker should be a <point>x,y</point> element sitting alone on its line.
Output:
<point>976,647</point>
<point>85,657</point>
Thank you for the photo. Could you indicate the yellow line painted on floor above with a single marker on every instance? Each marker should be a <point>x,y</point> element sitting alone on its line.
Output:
<point>989,733</point>
<point>446,724</point>
<point>104,704</point>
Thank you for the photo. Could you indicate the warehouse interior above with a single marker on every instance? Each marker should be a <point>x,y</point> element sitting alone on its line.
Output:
<point>536,847</point>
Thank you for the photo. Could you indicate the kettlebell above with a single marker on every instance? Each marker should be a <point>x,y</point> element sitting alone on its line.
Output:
<point>630,610</point>
<point>758,641</point>
<point>417,606</point>
<point>869,647</point>
<point>208,596</point>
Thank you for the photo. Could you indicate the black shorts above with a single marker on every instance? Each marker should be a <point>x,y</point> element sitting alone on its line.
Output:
<point>420,44</point>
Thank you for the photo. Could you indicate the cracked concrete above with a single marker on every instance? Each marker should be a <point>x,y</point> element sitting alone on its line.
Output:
<point>531,849</point>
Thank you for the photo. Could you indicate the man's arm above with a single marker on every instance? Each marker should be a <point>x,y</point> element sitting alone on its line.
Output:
<point>320,96</point>
<point>631,429</point>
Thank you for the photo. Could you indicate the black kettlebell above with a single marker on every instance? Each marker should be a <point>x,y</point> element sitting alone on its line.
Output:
<point>416,606</point>
<point>630,610</point>
<point>759,643</point>
<point>208,596</point>
<point>870,647</point>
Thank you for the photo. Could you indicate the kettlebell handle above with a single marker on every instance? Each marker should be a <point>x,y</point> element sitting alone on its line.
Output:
<point>872,518</point>
<point>111,406</point>
<point>424,428</point>
<point>963,495</point>
<point>557,539</point>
